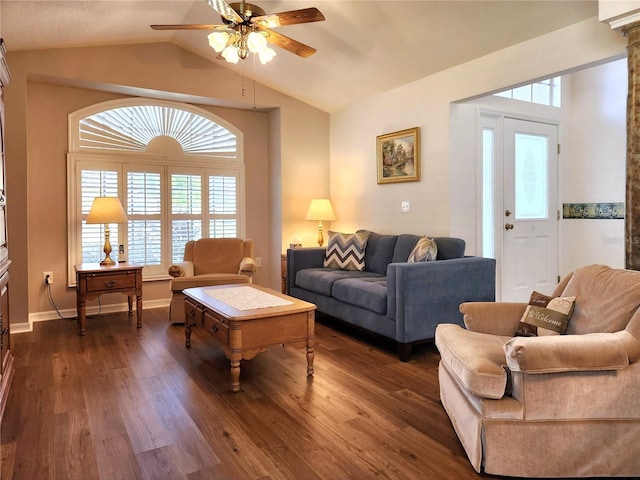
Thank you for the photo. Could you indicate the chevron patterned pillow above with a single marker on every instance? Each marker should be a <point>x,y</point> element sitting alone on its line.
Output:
<point>424,251</point>
<point>345,251</point>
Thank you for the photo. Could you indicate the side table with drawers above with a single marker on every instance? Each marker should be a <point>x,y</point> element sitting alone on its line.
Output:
<point>93,279</point>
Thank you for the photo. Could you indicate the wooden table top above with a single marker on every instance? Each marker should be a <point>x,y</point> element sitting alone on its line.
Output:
<point>198,294</point>
<point>96,267</point>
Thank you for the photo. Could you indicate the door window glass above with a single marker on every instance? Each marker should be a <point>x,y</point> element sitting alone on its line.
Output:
<point>531,177</point>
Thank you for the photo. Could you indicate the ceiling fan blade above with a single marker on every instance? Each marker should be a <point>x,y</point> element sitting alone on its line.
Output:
<point>190,27</point>
<point>305,15</point>
<point>288,44</point>
<point>225,10</point>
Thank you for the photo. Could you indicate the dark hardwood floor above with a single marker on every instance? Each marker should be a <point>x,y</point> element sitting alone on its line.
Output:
<point>123,403</point>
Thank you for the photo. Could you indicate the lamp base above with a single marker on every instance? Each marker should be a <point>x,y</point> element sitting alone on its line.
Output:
<point>107,261</point>
<point>107,248</point>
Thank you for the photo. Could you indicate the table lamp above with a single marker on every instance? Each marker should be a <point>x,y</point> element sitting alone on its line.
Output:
<point>320,209</point>
<point>106,210</point>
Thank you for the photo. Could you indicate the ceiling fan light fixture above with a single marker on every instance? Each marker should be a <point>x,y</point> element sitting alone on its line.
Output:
<point>266,55</point>
<point>247,29</point>
<point>230,54</point>
<point>256,42</point>
<point>218,40</point>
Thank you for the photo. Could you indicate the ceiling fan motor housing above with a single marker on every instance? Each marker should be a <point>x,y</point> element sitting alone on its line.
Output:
<point>247,11</point>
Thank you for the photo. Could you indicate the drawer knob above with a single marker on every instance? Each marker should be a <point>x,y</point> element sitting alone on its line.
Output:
<point>110,284</point>
<point>214,328</point>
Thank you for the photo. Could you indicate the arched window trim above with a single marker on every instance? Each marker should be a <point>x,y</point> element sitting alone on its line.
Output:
<point>211,163</point>
<point>76,117</point>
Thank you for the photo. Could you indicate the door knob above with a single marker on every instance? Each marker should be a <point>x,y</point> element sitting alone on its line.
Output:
<point>507,213</point>
<point>508,226</point>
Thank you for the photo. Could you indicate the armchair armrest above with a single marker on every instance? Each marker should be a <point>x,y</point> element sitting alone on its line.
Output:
<point>566,353</point>
<point>500,318</point>
<point>183,269</point>
<point>248,267</point>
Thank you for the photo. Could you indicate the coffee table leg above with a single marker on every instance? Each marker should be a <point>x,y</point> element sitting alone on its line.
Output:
<point>310,356</point>
<point>311,328</point>
<point>187,333</point>
<point>235,376</point>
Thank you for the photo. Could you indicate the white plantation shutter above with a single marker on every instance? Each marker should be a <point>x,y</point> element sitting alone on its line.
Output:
<point>223,206</point>
<point>96,183</point>
<point>132,128</point>
<point>170,198</point>
<point>186,212</point>
<point>144,211</point>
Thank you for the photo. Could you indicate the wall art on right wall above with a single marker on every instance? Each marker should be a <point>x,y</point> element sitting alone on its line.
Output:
<point>611,210</point>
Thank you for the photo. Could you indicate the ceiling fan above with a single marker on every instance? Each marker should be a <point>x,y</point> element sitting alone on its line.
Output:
<point>248,29</point>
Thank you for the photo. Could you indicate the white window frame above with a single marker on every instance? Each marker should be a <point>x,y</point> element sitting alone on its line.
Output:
<point>165,163</point>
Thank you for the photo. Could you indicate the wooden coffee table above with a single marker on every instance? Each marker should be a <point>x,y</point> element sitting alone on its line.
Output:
<point>237,316</point>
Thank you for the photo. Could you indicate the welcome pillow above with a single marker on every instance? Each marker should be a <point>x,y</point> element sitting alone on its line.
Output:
<point>546,315</point>
<point>345,251</point>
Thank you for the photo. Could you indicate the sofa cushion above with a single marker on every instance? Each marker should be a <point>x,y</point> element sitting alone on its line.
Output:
<point>426,250</point>
<point>321,280</point>
<point>477,360</point>
<point>379,252</point>
<point>346,250</point>
<point>546,315</point>
<point>450,247</point>
<point>369,293</point>
<point>404,246</point>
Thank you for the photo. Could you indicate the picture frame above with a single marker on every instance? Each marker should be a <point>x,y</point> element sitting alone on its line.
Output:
<point>398,156</point>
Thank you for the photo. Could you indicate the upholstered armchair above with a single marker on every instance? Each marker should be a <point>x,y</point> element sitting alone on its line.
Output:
<point>553,405</point>
<point>209,262</point>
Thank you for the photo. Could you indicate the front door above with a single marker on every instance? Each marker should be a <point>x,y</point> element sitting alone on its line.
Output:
<point>529,222</point>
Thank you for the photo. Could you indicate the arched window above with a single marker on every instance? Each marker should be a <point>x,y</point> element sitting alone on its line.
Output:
<point>177,169</point>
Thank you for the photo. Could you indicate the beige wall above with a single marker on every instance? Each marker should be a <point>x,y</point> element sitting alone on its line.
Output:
<point>444,202</point>
<point>48,85</point>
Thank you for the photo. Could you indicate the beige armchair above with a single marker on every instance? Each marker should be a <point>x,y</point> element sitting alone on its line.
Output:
<point>209,262</point>
<point>549,406</point>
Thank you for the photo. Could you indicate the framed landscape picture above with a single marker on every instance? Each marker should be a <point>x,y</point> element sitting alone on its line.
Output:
<point>398,156</point>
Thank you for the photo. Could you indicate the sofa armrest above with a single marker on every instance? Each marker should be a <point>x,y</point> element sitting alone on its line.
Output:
<point>248,267</point>
<point>566,353</point>
<point>500,318</point>
<point>300,259</point>
<point>183,269</point>
<point>421,295</point>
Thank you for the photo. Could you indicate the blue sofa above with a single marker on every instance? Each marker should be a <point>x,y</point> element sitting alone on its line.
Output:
<point>398,300</point>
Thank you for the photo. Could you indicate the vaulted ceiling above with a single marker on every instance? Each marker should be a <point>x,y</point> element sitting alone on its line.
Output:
<point>363,47</point>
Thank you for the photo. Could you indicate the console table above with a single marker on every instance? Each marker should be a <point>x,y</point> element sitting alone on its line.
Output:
<point>93,279</point>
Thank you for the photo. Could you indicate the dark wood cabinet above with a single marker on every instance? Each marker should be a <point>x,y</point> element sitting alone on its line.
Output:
<point>6,358</point>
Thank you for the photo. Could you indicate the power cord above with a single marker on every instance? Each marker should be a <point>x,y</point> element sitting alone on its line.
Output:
<point>55,307</point>
<point>52,302</point>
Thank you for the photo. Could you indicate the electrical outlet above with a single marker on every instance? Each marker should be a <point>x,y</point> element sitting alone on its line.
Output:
<point>405,206</point>
<point>47,278</point>
<point>258,261</point>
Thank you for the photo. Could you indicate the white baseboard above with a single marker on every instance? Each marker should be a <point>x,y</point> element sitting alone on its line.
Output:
<point>71,313</point>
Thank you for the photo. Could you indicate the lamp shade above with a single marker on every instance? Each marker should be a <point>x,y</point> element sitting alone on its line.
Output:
<point>106,210</point>
<point>320,209</point>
